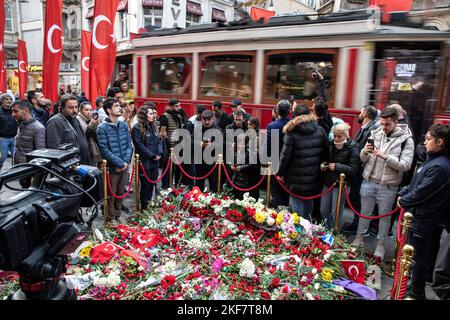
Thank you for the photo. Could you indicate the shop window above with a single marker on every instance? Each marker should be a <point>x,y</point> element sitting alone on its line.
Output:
<point>9,27</point>
<point>153,16</point>
<point>170,75</point>
<point>293,74</point>
<point>192,19</point>
<point>123,24</point>
<point>227,76</point>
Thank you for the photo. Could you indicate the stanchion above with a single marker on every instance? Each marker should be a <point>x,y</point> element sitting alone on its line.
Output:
<point>105,191</point>
<point>408,253</point>
<point>171,169</point>
<point>269,176</point>
<point>137,185</point>
<point>339,203</point>
<point>405,225</point>
<point>219,174</point>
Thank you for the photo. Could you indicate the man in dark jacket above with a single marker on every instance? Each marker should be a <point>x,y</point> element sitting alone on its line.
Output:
<point>64,128</point>
<point>8,128</point>
<point>305,148</point>
<point>441,277</point>
<point>201,169</point>
<point>31,134</point>
<point>37,99</point>
<point>222,119</point>
<point>366,118</point>
<point>279,196</point>
<point>114,142</point>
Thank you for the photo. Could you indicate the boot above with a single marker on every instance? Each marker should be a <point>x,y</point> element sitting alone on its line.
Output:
<point>358,242</point>
<point>380,250</point>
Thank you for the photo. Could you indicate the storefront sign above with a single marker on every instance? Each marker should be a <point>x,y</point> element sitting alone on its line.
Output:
<point>153,3</point>
<point>35,68</point>
<point>175,14</point>
<point>405,70</point>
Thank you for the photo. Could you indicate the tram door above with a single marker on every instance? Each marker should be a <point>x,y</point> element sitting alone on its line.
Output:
<point>410,78</point>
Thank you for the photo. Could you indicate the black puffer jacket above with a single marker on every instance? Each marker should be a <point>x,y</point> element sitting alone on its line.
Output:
<point>305,146</point>
<point>347,162</point>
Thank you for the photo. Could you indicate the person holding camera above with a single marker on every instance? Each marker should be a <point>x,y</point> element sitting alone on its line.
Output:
<point>114,142</point>
<point>343,158</point>
<point>387,154</point>
<point>428,197</point>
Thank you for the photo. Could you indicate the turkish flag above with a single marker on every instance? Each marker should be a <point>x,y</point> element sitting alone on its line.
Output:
<point>23,67</point>
<point>145,239</point>
<point>103,48</point>
<point>355,270</point>
<point>103,252</point>
<point>388,6</point>
<point>53,49</point>
<point>3,79</point>
<point>194,194</point>
<point>136,257</point>
<point>125,231</point>
<point>258,13</point>
<point>86,38</point>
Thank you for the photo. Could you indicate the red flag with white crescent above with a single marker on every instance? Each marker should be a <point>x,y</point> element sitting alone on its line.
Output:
<point>103,252</point>
<point>86,38</point>
<point>145,239</point>
<point>103,48</point>
<point>355,270</point>
<point>53,49</point>
<point>22,56</point>
<point>3,79</point>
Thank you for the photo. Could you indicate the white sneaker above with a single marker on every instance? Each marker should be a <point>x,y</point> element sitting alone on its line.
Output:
<point>380,250</point>
<point>358,242</point>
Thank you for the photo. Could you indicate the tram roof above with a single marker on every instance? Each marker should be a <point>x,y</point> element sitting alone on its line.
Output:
<point>340,23</point>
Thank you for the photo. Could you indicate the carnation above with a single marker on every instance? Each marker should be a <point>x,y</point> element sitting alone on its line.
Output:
<point>247,269</point>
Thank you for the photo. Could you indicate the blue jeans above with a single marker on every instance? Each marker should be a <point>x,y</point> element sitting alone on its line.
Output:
<point>373,193</point>
<point>6,144</point>
<point>304,208</point>
<point>328,204</point>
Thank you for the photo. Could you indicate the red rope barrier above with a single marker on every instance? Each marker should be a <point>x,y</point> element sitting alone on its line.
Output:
<point>129,187</point>
<point>239,188</point>
<point>160,178</point>
<point>196,178</point>
<point>368,217</point>
<point>304,198</point>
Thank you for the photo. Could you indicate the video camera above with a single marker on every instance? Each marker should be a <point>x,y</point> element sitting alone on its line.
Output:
<point>41,225</point>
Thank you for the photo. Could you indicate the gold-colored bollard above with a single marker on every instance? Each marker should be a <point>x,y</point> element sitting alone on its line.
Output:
<point>338,206</point>
<point>105,192</point>
<point>407,220</point>
<point>408,253</point>
<point>219,174</point>
<point>171,169</point>
<point>269,176</point>
<point>137,184</point>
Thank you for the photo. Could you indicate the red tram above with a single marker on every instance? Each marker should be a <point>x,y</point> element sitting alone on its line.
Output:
<point>362,62</point>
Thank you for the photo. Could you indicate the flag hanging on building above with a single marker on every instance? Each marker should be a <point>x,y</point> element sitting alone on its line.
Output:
<point>86,38</point>
<point>258,13</point>
<point>22,55</point>
<point>53,49</point>
<point>388,6</point>
<point>3,79</point>
<point>103,48</point>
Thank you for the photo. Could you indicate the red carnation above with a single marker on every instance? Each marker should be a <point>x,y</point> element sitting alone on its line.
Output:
<point>167,282</point>
<point>275,283</point>
<point>265,295</point>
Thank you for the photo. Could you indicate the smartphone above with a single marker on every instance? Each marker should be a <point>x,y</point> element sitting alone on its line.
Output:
<point>371,141</point>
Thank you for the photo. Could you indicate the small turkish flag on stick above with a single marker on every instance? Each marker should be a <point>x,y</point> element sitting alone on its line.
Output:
<point>355,270</point>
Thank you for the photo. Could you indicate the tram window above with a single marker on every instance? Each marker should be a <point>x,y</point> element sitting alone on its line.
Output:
<point>291,74</point>
<point>227,76</point>
<point>170,75</point>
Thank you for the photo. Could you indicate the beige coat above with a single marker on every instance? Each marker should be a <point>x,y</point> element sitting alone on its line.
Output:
<point>399,160</point>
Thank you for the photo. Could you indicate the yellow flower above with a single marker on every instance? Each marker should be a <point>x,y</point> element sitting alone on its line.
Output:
<point>327,274</point>
<point>279,219</point>
<point>85,252</point>
<point>280,234</point>
<point>293,235</point>
<point>260,217</point>
<point>296,218</point>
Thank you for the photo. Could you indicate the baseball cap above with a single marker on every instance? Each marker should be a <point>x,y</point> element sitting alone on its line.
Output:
<point>174,102</point>
<point>207,114</point>
<point>236,102</point>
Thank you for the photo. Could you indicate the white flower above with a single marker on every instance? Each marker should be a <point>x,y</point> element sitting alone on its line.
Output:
<point>247,269</point>
<point>270,221</point>
<point>218,210</point>
<point>314,271</point>
<point>317,286</point>
<point>309,296</point>
<point>304,279</point>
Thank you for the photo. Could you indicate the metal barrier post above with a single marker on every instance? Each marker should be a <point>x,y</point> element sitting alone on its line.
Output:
<point>407,220</point>
<point>219,174</point>
<point>137,184</point>
<point>171,168</point>
<point>269,176</point>
<point>338,206</point>
<point>408,253</point>
<point>105,192</point>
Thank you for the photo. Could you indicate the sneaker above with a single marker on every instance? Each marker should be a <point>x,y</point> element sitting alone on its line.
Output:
<point>125,209</point>
<point>380,250</point>
<point>358,242</point>
<point>391,235</point>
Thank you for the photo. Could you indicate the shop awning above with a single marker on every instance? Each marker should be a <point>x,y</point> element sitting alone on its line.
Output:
<point>90,13</point>
<point>123,5</point>
<point>153,3</point>
<point>219,15</point>
<point>194,8</point>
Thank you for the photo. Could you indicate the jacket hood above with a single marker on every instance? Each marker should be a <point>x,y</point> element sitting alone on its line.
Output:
<point>306,123</point>
<point>402,131</point>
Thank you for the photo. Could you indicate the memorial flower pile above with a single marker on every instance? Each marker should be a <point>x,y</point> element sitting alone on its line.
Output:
<point>194,245</point>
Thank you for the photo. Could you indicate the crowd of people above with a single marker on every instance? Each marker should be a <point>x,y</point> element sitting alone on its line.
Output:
<point>383,165</point>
